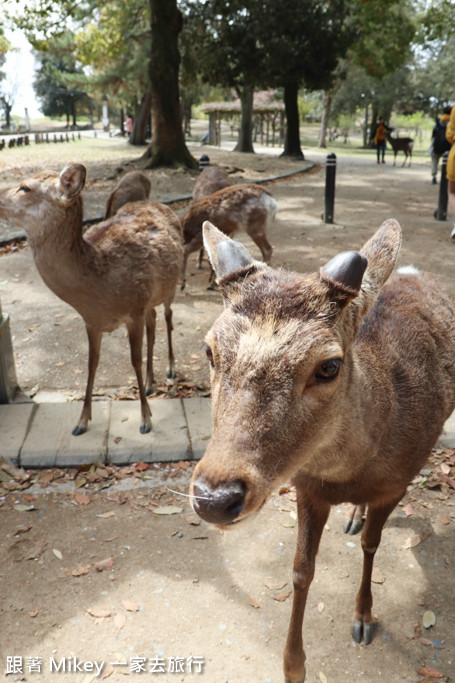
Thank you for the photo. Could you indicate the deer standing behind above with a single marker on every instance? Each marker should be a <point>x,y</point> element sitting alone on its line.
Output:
<point>133,187</point>
<point>333,380</point>
<point>401,145</point>
<point>247,207</point>
<point>117,272</point>
<point>211,179</point>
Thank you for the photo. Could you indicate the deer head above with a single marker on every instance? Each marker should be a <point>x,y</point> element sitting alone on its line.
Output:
<point>282,369</point>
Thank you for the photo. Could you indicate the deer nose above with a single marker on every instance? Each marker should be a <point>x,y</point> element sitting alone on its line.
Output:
<point>220,504</point>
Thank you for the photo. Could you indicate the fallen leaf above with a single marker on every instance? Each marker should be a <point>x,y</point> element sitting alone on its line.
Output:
<point>130,605</point>
<point>430,672</point>
<point>322,677</point>
<point>253,603</point>
<point>408,510</point>
<point>167,510</point>
<point>57,554</point>
<point>281,597</point>
<point>34,612</point>
<point>101,566</point>
<point>98,613</point>
<point>445,520</point>
<point>81,570</point>
<point>24,508</point>
<point>321,607</point>
<point>193,519</point>
<point>15,472</point>
<point>119,621</point>
<point>23,529</point>
<point>141,466</point>
<point>377,575</point>
<point>426,641</point>
<point>446,469</point>
<point>414,540</point>
<point>37,551</point>
<point>429,619</point>
<point>275,586</point>
<point>105,515</point>
<point>81,498</point>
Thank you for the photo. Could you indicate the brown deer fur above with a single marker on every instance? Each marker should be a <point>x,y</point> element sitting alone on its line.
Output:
<point>334,380</point>
<point>133,187</point>
<point>247,207</point>
<point>401,145</point>
<point>211,179</point>
<point>116,272</point>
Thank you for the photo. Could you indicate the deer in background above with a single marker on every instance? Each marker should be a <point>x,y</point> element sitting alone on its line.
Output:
<point>401,145</point>
<point>133,187</point>
<point>333,380</point>
<point>246,207</point>
<point>117,272</point>
<point>211,179</point>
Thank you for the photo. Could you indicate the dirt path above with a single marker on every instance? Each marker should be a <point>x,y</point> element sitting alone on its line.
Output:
<point>176,590</point>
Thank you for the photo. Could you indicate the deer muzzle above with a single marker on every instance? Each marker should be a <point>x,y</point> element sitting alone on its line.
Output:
<point>221,504</point>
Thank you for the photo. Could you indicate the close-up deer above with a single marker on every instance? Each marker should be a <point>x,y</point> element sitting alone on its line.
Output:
<point>116,272</point>
<point>337,381</point>
<point>248,207</point>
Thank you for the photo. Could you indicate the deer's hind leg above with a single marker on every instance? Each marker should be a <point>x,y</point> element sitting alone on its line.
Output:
<point>256,229</point>
<point>136,335</point>
<point>362,628</point>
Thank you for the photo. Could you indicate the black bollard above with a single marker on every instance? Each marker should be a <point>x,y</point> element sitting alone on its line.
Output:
<point>441,212</point>
<point>204,161</point>
<point>330,173</point>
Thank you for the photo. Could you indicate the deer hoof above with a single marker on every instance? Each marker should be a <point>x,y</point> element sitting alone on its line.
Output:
<point>352,527</point>
<point>78,430</point>
<point>171,374</point>
<point>361,631</point>
<point>145,427</point>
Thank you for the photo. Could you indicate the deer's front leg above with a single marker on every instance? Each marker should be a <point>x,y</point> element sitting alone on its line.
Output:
<point>312,517</point>
<point>362,627</point>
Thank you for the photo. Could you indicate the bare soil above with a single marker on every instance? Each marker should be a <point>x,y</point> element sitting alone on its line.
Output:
<point>167,588</point>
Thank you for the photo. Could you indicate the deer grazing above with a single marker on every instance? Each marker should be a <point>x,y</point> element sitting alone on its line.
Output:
<point>401,145</point>
<point>117,272</point>
<point>246,207</point>
<point>333,380</point>
<point>133,187</point>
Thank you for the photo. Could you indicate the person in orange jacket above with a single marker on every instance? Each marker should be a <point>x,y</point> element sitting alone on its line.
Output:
<point>450,170</point>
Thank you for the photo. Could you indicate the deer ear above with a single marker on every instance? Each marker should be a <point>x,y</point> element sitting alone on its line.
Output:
<point>226,256</point>
<point>345,271</point>
<point>72,180</point>
<point>382,252</point>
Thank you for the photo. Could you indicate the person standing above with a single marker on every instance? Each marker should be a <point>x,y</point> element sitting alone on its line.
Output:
<point>379,135</point>
<point>450,170</point>
<point>439,142</point>
<point>129,125</point>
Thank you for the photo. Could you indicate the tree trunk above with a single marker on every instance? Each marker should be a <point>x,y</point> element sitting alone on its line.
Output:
<point>292,138</point>
<point>167,147</point>
<point>245,141</point>
<point>327,103</point>
<point>141,118</point>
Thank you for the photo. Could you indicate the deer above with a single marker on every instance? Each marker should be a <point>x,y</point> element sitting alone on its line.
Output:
<point>339,381</point>
<point>247,207</point>
<point>401,145</point>
<point>133,187</point>
<point>116,272</point>
<point>211,179</point>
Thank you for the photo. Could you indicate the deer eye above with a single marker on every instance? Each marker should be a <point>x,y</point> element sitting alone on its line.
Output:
<point>328,369</point>
<point>24,188</point>
<point>209,354</point>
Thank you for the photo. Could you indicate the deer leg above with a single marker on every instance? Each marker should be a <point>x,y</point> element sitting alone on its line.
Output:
<point>255,229</point>
<point>355,520</point>
<point>94,346</point>
<point>136,334</point>
<point>311,520</point>
<point>170,373</point>
<point>199,261</point>
<point>362,628</point>
<point>195,244</point>
<point>150,323</point>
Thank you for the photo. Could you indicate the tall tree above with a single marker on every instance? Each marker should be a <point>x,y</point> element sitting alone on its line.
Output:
<point>167,146</point>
